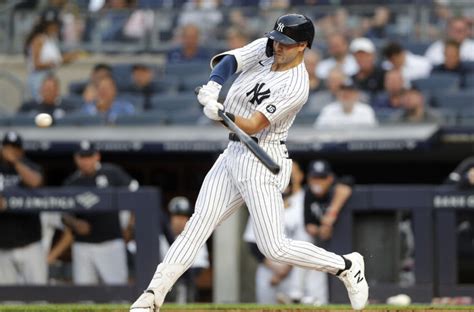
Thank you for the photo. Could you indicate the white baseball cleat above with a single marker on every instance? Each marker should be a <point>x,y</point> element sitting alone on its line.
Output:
<point>355,282</point>
<point>145,303</point>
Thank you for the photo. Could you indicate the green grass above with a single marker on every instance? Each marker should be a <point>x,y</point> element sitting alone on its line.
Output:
<point>220,307</point>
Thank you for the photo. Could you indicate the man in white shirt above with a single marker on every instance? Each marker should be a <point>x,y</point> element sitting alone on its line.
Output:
<point>412,66</point>
<point>346,111</point>
<point>340,57</point>
<point>458,30</point>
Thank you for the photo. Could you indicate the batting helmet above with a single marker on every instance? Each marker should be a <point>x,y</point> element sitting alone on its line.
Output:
<point>180,206</point>
<point>290,29</point>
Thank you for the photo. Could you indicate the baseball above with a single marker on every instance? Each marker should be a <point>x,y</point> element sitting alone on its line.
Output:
<point>43,120</point>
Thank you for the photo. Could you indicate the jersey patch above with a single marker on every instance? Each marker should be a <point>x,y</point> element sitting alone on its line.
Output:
<point>257,93</point>
<point>270,108</point>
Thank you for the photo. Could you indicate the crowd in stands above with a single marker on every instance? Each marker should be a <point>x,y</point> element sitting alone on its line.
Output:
<point>363,69</point>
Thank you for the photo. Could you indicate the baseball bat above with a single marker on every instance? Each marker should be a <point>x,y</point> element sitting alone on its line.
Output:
<point>253,146</point>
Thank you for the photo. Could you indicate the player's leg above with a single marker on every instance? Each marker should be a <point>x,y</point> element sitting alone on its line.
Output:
<point>8,272</point>
<point>111,262</point>
<point>31,260</point>
<point>216,198</point>
<point>263,198</point>
<point>83,269</point>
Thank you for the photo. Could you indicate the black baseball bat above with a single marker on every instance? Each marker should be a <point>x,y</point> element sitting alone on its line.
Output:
<point>253,146</point>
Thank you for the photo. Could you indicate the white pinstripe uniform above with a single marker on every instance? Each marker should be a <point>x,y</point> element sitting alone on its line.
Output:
<point>238,177</point>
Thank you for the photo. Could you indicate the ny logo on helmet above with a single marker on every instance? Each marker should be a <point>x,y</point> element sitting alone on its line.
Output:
<point>280,27</point>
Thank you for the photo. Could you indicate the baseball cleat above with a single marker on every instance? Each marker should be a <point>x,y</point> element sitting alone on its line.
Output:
<point>355,282</point>
<point>145,303</point>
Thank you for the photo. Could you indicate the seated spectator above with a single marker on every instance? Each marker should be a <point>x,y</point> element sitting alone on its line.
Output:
<point>311,60</point>
<point>415,109</point>
<point>322,98</point>
<point>101,70</point>
<point>50,100</point>
<point>412,66</point>
<point>378,24</point>
<point>340,57</point>
<point>236,38</point>
<point>107,103</point>
<point>189,49</point>
<point>346,111</point>
<point>143,83</point>
<point>370,77</point>
<point>458,31</point>
<point>452,61</point>
<point>394,85</point>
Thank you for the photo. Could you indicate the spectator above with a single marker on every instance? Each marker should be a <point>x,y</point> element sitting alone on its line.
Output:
<point>378,24</point>
<point>370,77</point>
<point>390,99</point>
<point>51,101</point>
<point>281,283</point>
<point>236,38</point>
<point>412,66</point>
<point>189,49</point>
<point>311,60</point>
<point>204,14</point>
<point>22,259</point>
<point>180,211</point>
<point>346,111</point>
<point>325,196</point>
<point>98,251</point>
<point>320,99</point>
<point>415,109</point>
<point>89,91</point>
<point>107,104</point>
<point>458,31</point>
<point>42,50</point>
<point>143,83</point>
<point>452,61</point>
<point>340,57</point>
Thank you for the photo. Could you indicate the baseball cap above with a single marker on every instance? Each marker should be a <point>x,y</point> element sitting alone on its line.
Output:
<point>12,138</point>
<point>180,206</point>
<point>86,148</point>
<point>319,169</point>
<point>362,44</point>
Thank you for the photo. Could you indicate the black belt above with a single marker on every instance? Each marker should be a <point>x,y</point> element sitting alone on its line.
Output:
<point>234,137</point>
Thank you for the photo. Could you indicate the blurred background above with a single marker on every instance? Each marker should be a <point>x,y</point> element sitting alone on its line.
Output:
<point>386,137</point>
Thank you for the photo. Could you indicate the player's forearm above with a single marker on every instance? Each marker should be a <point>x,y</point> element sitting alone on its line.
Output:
<point>252,125</point>
<point>29,176</point>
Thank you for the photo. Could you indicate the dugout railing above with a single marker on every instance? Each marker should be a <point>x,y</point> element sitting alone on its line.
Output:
<point>145,203</point>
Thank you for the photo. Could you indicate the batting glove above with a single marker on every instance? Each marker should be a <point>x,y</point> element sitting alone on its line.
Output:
<point>211,109</point>
<point>209,93</point>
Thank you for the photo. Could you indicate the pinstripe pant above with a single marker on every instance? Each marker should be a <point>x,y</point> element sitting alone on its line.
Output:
<point>236,178</point>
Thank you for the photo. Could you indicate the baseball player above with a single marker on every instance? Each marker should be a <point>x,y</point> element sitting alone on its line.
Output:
<point>263,101</point>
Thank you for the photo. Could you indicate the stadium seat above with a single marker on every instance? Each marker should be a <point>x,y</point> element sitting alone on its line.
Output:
<point>469,81</point>
<point>74,100</point>
<point>122,74</point>
<point>79,119</point>
<point>190,82</point>
<point>416,47</point>
<point>77,87</point>
<point>144,119</point>
<point>22,120</point>
<point>306,119</point>
<point>4,121</point>
<point>185,69</point>
<point>174,102</point>
<point>189,116</point>
<point>137,100</point>
<point>458,101</point>
<point>438,82</point>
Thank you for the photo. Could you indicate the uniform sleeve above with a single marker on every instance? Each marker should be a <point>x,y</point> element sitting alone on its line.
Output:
<point>246,56</point>
<point>280,106</point>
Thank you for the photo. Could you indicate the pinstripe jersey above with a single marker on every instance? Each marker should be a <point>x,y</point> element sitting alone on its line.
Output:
<point>279,95</point>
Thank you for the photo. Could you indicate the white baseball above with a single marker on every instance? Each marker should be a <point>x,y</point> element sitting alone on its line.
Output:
<point>43,120</point>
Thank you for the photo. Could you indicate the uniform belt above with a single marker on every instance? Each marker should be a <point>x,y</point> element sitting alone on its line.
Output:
<point>234,137</point>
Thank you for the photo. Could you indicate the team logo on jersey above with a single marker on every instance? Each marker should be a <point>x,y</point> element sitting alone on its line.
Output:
<point>257,93</point>
<point>280,27</point>
<point>271,108</point>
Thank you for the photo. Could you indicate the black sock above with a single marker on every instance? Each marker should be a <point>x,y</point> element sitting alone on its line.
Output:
<point>348,265</point>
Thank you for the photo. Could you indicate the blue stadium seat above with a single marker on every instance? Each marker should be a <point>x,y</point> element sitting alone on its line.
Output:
<point>79,119</point>
<point>122,74</point>
<point>438,82</point>
<point>77,87</point>
<point>4,121</point>
<point>306,119</point>
<point>416,47</point>
<point>23,120</point>
<point>469,81</point>
<point>189,116</point>
<point>137,100</point>
<point>143,119</point>
<point>174,102</point>
<point>459,101</point>
<point>74,100</point>
<point>190,82</point>
<point>184,69</point>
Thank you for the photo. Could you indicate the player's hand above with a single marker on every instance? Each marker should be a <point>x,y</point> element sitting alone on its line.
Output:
<point>209,93</point>
<point>9,154</point>
<point>211,109</point>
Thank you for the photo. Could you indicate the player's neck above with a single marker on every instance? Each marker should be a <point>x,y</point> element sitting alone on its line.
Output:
<point>282,67</point>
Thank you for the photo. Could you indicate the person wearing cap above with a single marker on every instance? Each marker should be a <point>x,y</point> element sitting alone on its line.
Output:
<point>325,196</point>
<point>98,251</point>
<point>42,51</point>
<point>180,211</point>
<point>412,66</point>
<point>369,78</point>
<point>22,259</point>
<point>347,111</point>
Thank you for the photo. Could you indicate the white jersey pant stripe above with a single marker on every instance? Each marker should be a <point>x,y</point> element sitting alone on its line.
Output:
<point>238,176</point>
